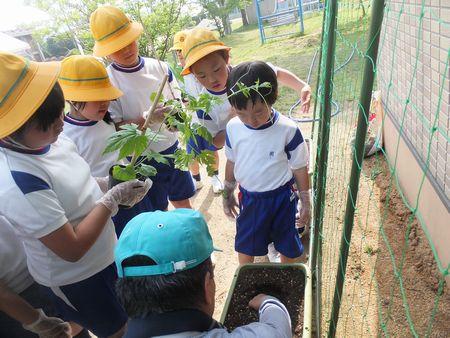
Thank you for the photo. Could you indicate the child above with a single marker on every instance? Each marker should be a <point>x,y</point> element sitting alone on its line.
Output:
<point>88,91</point>
<point>138,77</point>
<point>265,153</point>
<point>51,199</point>
<point>207,58</point>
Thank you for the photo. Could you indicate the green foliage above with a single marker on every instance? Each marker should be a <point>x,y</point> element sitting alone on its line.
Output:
<point>218,11</point>
<point>123,173</point>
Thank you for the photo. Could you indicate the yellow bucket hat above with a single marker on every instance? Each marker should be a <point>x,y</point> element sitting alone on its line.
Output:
<point>83,79</point>
<point>197,44</point>
<point>178,40</point>
<point>112,30</point>
<point>24,85</point>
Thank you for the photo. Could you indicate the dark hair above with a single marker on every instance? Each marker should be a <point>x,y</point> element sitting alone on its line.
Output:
<point>48,112</point>
<point>248,73</point>
<point>142,296</point>
<point>80,106</point>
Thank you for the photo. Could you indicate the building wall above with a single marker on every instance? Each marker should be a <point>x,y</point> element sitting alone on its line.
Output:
<point>413,77</point>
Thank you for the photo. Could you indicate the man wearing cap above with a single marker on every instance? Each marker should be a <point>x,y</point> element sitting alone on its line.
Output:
<point>166,281</point>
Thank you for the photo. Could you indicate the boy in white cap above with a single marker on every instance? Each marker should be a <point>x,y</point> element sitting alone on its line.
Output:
<point>116,37</point>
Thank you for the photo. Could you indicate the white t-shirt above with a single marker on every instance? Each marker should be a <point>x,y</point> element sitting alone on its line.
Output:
<point>137,84</point>
<point>192,86</point>
<point>90,137</point>
<point>40,192</point>
<point>13,262</point>
<point>265,157</point>
<point>216,120</point>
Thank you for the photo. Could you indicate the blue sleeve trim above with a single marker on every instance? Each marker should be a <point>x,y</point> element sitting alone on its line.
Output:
<point>170,74</point>
<point>227,141</point>
<point>28,183</point>
<point>202,115</point>
<point>294,143</point>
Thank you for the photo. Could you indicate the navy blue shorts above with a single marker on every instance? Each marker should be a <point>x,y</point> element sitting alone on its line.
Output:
<point>94,301</point>
<point>124,215</point>
<point>169,183</point>
<point>267,217</point>
<point>197,143</point>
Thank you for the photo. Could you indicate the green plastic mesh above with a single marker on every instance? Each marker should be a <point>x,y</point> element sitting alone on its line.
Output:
<point>395,280</point>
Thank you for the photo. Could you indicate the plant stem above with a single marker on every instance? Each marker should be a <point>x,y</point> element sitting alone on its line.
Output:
<point>152,109</point>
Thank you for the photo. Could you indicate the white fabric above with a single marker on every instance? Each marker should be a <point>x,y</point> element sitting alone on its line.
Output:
<point>260,160</point>
<point>137,86</point>
<point>70,196</point>
<point>217,119</point>
<point>192,86</point>
<point>91,140</point>
<point>13,262</point>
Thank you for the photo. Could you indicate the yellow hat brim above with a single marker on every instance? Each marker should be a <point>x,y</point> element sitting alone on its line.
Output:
<point>118,41</point>
<point>201,53</point>
<point>91,94</point>
<point>31,98</point>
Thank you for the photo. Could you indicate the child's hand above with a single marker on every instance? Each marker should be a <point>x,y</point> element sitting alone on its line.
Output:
<point>158,115</point>
<point>303,218</point>
<point>230,205</point>
<point>305,97</point>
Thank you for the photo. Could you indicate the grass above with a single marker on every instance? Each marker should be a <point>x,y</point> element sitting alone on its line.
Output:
<point>294,52</point>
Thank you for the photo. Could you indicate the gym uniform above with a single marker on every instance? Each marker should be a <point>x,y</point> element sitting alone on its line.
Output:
<point>263,162</point>
<point>215,121</point>
<point>41,191</point>
<point>90,137</point>
<point>137,84</point>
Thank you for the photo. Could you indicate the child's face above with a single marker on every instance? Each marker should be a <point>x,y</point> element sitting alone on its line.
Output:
<point>127,56</point>
<point>211,71</point>
<point>95,111</point>
<point>180,58</point>
<point>254,115</point>
<point>34,137</point>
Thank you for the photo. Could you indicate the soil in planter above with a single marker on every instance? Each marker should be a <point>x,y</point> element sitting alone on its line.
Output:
<point>288,285</point>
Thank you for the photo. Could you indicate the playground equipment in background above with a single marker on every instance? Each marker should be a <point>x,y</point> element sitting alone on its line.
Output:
<point>285,12</point>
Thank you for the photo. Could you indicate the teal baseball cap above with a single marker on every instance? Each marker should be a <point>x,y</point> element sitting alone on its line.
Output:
<point>176,240</point>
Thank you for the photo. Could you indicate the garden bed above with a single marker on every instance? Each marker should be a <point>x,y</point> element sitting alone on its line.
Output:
<point>290,283</point>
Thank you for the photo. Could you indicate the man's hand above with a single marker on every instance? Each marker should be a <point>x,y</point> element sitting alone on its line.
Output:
<point>230,205</point>
<point>255,302</point>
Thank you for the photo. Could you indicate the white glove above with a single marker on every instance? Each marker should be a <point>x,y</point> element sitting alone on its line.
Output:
<point>103,183</point>
<point>158,115</point>
<point>303,216</point>
<point>49,327</point>
<point>230,205</point>
<point>126,193</point>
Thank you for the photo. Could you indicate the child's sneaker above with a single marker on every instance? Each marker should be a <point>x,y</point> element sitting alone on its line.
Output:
<point>217,185</point>
<point>273,254</point>
<point>198,185</point>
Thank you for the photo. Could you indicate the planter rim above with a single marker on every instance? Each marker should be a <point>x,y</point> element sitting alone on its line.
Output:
<point>307,305</point>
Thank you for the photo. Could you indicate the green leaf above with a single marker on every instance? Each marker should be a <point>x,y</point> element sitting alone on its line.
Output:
<point>156,156</point>
<point>146,170</point>
<point>203,132</point>
<point>153,97</point>
<point>123,174</point>
<point>134,145</point>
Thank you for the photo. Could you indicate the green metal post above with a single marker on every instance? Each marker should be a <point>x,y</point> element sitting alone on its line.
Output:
<point>322,149</point>
<point>361,131</point>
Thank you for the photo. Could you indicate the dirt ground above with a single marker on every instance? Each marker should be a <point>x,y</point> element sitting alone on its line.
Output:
<point>373,303</point>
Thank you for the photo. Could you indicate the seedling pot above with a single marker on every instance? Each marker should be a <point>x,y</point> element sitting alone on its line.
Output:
<point>290,283</point>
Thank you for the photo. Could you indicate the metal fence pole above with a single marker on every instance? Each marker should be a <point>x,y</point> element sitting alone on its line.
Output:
<point>358,154</point>
<point>322,148</point>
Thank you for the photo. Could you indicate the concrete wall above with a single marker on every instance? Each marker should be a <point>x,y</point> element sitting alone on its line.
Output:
<point>410,94</point>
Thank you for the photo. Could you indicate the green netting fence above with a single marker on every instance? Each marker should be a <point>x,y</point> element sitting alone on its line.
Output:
<point>378,269</point>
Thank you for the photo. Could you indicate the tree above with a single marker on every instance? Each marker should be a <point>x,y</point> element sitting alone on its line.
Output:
<point>160,18</point>
<point>218,11</point>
